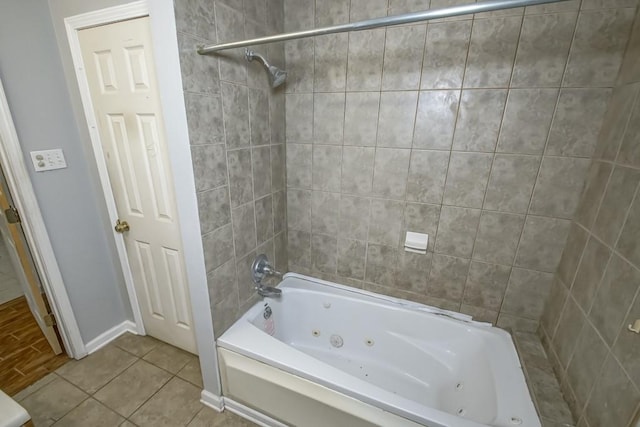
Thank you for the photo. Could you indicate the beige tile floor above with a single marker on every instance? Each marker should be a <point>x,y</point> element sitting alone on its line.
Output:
<point>135,381</point>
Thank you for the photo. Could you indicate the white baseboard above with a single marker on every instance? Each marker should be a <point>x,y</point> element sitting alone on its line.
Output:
<point>106,337</point>
<point>211,400</point>
<point>251,414</point>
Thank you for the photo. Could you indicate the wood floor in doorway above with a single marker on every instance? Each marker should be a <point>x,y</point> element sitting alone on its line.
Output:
<point>25,354</point>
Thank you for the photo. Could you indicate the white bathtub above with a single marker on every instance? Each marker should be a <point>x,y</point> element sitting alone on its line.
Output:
<point>404,363</point>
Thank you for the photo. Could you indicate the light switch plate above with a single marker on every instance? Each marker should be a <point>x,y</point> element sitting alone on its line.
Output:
<point>47,160</point>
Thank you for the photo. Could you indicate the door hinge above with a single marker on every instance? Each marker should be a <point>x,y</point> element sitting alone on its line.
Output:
<point>12,215</point>
<point>49,320</point>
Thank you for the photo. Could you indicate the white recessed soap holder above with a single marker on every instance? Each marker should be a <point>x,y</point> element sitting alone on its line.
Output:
<point>635,327</point>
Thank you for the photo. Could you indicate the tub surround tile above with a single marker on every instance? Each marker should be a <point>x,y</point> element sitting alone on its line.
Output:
<point>391,168</point>
<point>299,161</point>
<point>327,165</point>
<point>527,118</point>
<point>240,177</point>
<point>447,277</point>
<point>328,118</point>
<point>436,119</point>
<point>479,314</point>
<point>264,219</point>
<point>492,52</point>
<point>204,118</point>
<point>588,358</point>
<point>569,328</point>
<point>614,297</point>
<point>543,48</point>
<point>351,258</point>
<point>300,65</point>
<point>590,272</point>
<point>542,242</point>
<point>357,170</point>
<point>209,166</point>
<point>278,167</point>
<point>361,118</point>
<point>397,118</point>
<point>616,121</point>
<point>427,175</point>
<point>479,120</point>
<point>330,73</point>
<point>230,27</point>
<point>354,217</point>
<point>365,9</point>
<point>595,185</point>
<point>486,285</point>
<point>244,229</point>
<point>299,210</point>
<point>559,185</point>
<point>498,236</point>
<point>627,348</point>
<point>215,209</point>
<point>235,105</point>
<point>385,222</point>
<point>404,49</point>
<point>299,248</point>
<point>456,231</point>
<point>221,282</point>
<point>467,178</point>
<point>554,306</point>
<point>629,150</point>
<point>365,56</point>
<point>324,253</point>
<point>544,387</point>
<point>629,241</point>
<point>577,122</point>
<point>511,183</point>
<point>198,76</point>
<point>324,213</point>
<point>299,117</point>
<point>381,261</point>
<point>527,293</point>
<point>576,242</point>
<point>515,323</point>
<point>445,55</point>
<point>259,116</point>
<point>218,247</point>
<point>332,12</point>
<point>598,48</point>
<point>614,397</point>
<point>616,200</point>
<point>261,170</point>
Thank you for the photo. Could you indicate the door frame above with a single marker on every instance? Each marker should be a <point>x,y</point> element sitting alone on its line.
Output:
<point>23,195</point>
<point>168,72</point>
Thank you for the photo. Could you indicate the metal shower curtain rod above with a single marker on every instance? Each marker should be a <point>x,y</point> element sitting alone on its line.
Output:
<point>408,18</point>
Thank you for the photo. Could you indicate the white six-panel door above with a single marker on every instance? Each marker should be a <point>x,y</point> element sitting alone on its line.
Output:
<point>120,71</point>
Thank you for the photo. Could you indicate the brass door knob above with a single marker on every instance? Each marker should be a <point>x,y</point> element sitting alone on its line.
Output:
<point>122,226</point>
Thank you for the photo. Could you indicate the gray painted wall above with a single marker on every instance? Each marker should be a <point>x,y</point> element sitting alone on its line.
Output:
<point>70,199</point>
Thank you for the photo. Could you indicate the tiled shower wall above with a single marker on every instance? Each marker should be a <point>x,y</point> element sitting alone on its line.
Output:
<point>595,294</point>
<point>475,130</point>
<point>236,128</point>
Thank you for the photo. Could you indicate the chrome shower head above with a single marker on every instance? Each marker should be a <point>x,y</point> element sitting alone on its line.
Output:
<point>276,75</point>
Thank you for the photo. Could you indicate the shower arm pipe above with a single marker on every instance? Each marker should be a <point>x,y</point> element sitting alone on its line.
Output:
<point>408,18</point>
